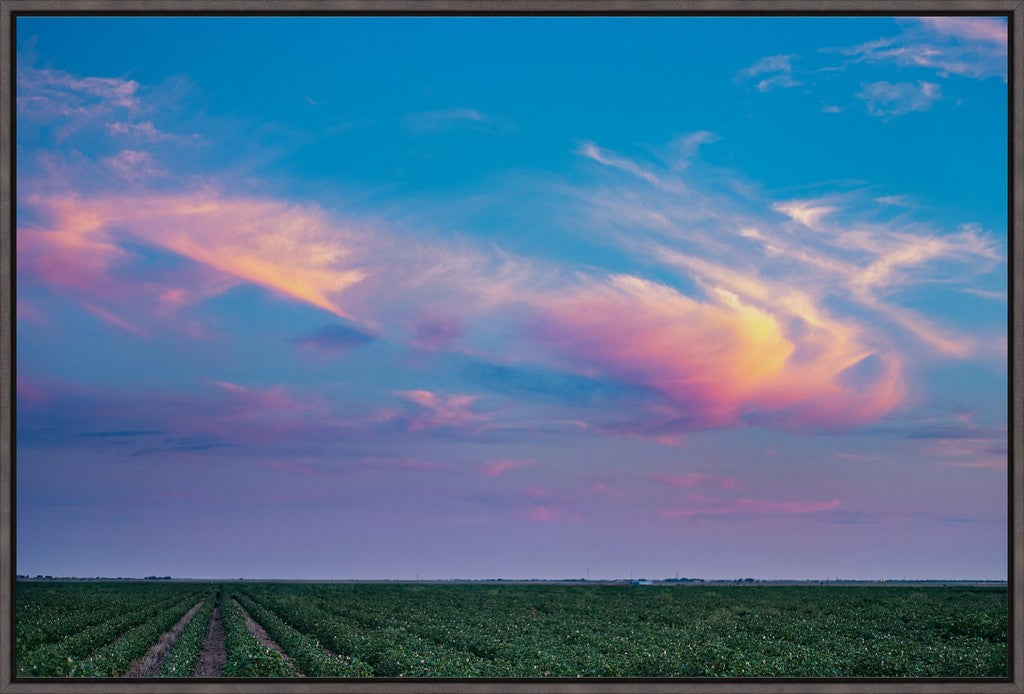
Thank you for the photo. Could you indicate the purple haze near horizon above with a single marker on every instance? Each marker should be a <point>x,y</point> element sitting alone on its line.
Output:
<point>457,297</point>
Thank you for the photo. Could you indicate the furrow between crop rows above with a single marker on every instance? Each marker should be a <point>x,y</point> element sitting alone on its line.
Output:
<point>181,660</point>
<point>152,661</point>
<point>261,635</point>
<point>246,656</point>
<point>214,656</point>
<point>312,657</point>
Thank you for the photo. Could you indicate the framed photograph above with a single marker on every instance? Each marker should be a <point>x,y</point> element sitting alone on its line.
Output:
<point>527,346</point>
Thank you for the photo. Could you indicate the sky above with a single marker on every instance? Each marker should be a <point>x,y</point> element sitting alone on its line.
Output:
<point>512,297</point>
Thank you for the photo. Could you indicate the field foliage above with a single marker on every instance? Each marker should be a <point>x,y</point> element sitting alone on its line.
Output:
<point>534,630</point>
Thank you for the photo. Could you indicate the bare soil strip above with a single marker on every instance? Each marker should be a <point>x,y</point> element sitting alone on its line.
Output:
<point>261,635</point>
<point>149,664</point>
<point>214,656</point>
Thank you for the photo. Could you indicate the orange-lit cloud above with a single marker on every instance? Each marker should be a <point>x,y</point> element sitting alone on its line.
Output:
<point>725,358</point>
<point>290,249</point>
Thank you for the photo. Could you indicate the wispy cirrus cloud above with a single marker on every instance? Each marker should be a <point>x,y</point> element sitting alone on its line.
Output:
<point>134,165</point>
<point>689,480</point>
<point>942,47</point>
<point>431,410</point>
<point>777,353</point>
<point>497,468</point>
<point>774,71</point>
<point>895,99</point>
<point>145,131</point>
<point>444,120</point>
<point>50,94</point>
<point>747,321</point>
<point>289,249</point>
<point>974,47</point>
<point>806,212</point>
<point>992,30</point>
<point>750,507</point>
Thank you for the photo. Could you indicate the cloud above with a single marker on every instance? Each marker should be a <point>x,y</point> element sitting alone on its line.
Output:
<point>895,99</point>
<point>547,513</point>
<point>49,94</point>
<point>496,468</point>
<point>146,131</point>
<point>334,339</point>
<point>436,333</point>
<point>778,67</point>
<point>751,507</point>
<point>797,276</point>
<point>730,316</point>
<point>431,410</point>
<point>722,360</point>
<point>806,212</point>
<point>111,318</point>
<point>772,63</point>
<point>974,47</point>
<point>971,47</point>
<point>697,479</point>
<point>444,120</point>
<point>988,29</point>
<point>291,249</point>
<point>688,146</point>
<point>133,165</point>
<point>734,342</point>
<point>592,151</point>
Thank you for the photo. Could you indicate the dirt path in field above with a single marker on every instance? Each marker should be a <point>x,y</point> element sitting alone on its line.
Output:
<point>149,664</point>
<point>214,656</point>
<point>261,635</point>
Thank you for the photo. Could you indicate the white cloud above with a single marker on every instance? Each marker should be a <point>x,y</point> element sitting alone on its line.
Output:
<point>885,99</point>
<point>443,120</point>
<point>779,69</point>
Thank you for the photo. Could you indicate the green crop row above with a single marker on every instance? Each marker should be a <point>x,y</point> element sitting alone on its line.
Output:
<point>59,658</point>
<point>306,651</point>
<point>50,612</point>
<point>182,658</point>
<point>114,659</point>
<point>246,656</point>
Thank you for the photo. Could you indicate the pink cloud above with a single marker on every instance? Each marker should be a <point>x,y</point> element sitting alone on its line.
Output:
<point>752,507</point>
<point>31,392</point>
<point>697,479</point>
<point>434,410</point>
<point>27,312</point>
<point>133,165</point>
<point>146,131</point>
<point>293,250</point>
<point>990,29</point>
<point>603,488</point>
<point>500,467</point>
<point>552,514</point>
<point>108,316</point>
<point>719,361</point>
<point>433,334</point>
<point>73,248</point>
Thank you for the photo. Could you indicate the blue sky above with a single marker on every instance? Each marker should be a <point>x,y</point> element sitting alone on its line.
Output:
<point>370,297</point>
